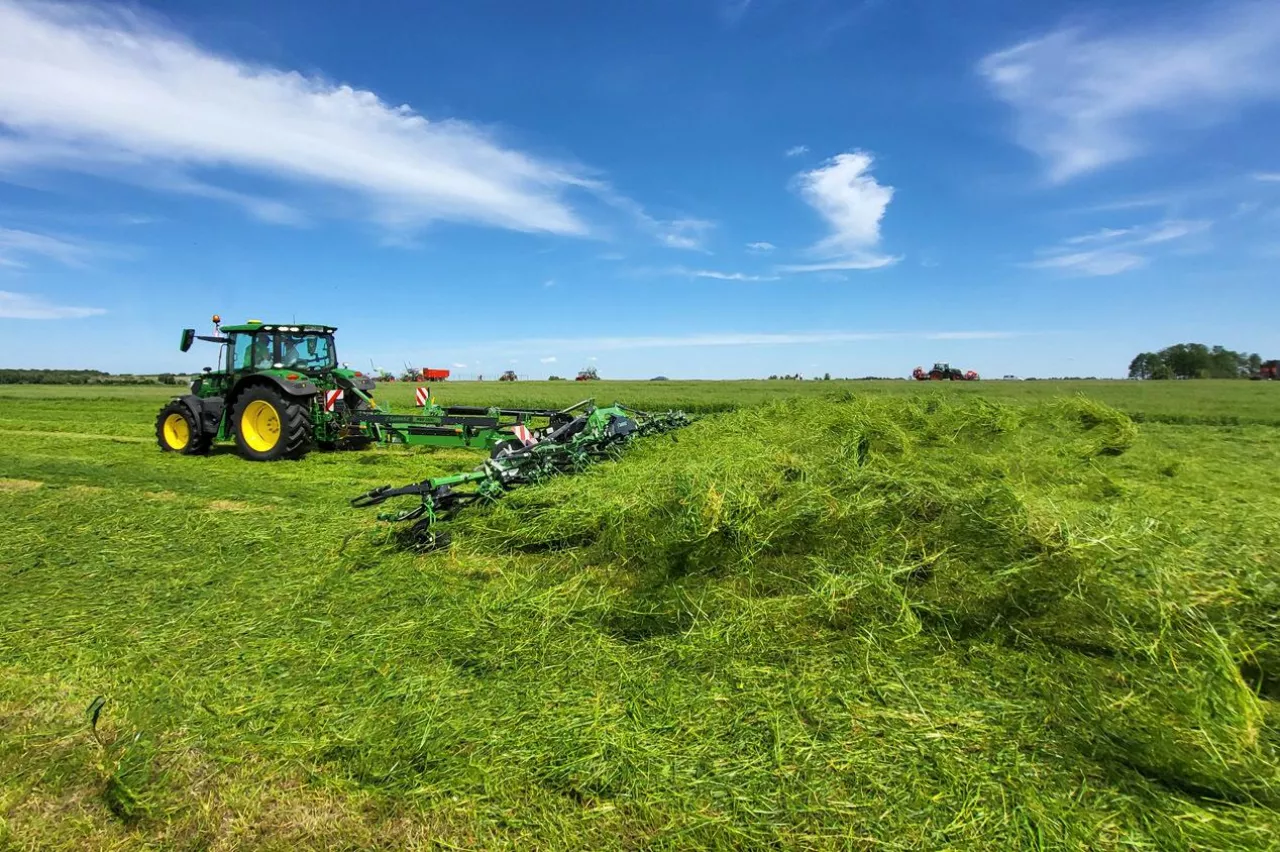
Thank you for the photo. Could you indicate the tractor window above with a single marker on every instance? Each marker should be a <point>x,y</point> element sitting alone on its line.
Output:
<point>252,351</point>
<point>307,351</point>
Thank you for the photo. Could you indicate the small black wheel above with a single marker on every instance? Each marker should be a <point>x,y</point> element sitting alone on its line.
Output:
<point>505,448</point>
<point>423,539</point>
<point>177,431</point>
<point>354,402</point>
<point>270,426</point>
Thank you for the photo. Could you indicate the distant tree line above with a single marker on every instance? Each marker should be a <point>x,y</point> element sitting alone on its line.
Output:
<point>1194,361</point>
<point>80,377</point>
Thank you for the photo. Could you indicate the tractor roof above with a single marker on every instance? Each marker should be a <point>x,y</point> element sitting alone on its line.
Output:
<point>257,325</point>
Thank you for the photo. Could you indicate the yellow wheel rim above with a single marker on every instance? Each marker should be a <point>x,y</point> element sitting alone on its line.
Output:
<point>176,432</point>
<point>260,425</point>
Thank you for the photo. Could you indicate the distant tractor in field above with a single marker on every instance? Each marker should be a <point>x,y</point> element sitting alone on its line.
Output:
<point>943,372</point>
<point>587,375</point>
<point>508,376</point>
<point>1268,370</point>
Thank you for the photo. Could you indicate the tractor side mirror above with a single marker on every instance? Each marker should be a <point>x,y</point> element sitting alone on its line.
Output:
<point>188,335</point>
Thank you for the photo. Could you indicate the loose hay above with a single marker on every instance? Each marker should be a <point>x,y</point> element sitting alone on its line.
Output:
<point>845,624</point>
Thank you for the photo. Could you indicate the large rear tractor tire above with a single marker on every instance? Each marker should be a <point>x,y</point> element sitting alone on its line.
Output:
<point>269,425</point>
<point>178,432</point>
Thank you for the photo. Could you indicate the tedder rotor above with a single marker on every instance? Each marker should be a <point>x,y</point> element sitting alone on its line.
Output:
<point>591,434</point>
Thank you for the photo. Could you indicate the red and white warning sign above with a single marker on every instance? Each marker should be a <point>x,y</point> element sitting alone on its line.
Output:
<point>524,434</point>
<point>422,396</point>
<point>331,399</point>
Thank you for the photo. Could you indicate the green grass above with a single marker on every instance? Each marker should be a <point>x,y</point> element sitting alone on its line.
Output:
<point>969,616</point>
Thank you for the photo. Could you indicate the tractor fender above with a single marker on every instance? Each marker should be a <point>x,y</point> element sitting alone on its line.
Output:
<point>302,387</point>
<point>206,412</point>
<point>361,383</point>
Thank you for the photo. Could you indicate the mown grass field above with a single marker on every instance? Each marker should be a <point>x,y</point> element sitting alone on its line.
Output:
<point>844,615</point>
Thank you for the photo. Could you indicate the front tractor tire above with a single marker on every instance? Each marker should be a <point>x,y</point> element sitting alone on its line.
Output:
<point>269,425</point>
<point>178,432</point>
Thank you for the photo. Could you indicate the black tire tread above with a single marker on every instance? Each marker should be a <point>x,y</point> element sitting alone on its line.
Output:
<point>295,424</point>
<point>200,440</point>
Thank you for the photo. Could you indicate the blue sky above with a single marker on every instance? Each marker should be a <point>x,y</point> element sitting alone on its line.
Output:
<point>694,188</point>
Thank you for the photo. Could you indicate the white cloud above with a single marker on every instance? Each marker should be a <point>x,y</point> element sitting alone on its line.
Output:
<point>551,359</point>
<point>550,282</point>
<point>684,233</point>
<point>853,203</point>
<point>16,247</point>
<point>1098,236</point>
<point>460,366</point>
<point>23,306</point>
<point>1092,263</point>
<point>106,90</point>
<point>760,247</point>
<point>796,151</point>
<point>740,339</point>
<point>865,262</point>
<point>1084,100</point>
<point>719,276</point>
<point>1117,249</point>
<point>1269,177</point>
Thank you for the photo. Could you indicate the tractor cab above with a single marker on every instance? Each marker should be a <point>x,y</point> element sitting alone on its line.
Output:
<point>257,347</point>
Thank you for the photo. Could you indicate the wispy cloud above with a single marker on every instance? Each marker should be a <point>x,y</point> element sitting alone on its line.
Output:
<point>28,307</point>
<point>1267,177</point>
<point>550,359</point>
<point>853,203</point>
<point>741,339</point>
<point>760,247</point>
<point>108,90</point>
<point>718,275</point>
<point>550,282</point>
<point>18,247</point>
<point>1111,251</point>
<point>1084,100</point>
<point>460,366</point>
<point>685,232</point>
<point>1092,263</point>
<point>796,151</point>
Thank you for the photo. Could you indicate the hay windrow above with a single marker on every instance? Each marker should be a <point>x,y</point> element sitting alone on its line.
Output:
<point>968,521</point>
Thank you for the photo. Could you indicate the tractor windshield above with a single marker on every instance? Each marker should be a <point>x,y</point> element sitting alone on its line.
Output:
<point>262,350</point>
<point>307,351</point>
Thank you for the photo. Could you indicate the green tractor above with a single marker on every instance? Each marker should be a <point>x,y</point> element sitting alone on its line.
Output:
<point>278,391</point>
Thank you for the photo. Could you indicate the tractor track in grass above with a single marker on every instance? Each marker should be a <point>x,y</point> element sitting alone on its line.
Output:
<point>87,436</point>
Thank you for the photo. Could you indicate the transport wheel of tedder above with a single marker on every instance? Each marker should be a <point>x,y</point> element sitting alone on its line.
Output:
<point>503,448</point>
<point>178,432</point>
<point>269,426</point>
<point>354,402</point>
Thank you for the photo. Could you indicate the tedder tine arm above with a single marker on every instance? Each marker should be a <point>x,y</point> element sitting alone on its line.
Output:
<point>594,434</point>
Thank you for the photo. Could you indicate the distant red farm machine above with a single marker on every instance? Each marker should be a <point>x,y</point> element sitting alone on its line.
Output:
<point>943,372</point>
<point>426,374</point>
